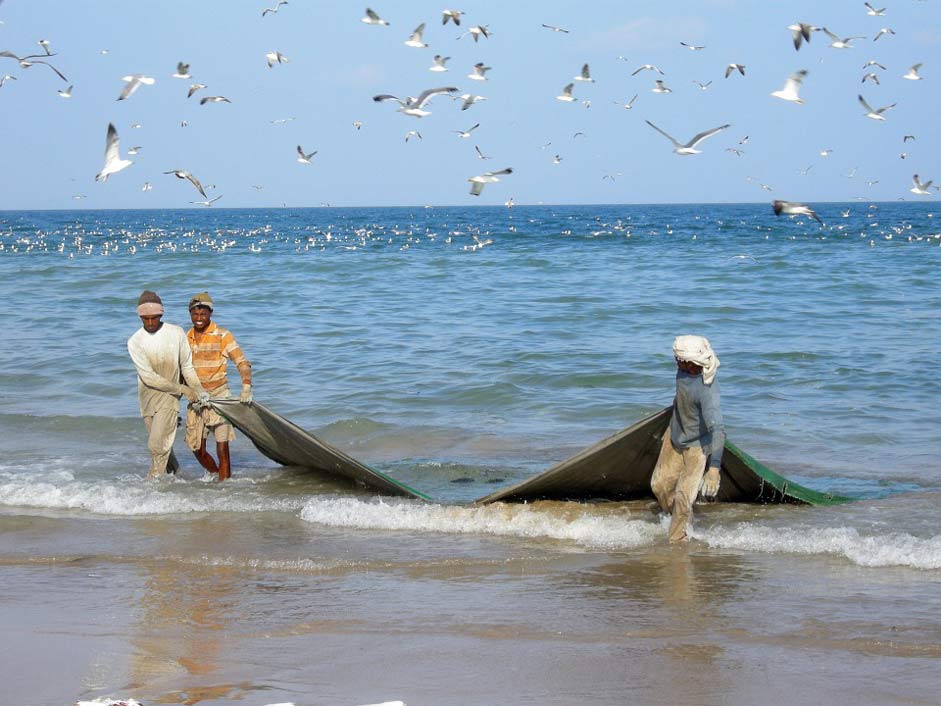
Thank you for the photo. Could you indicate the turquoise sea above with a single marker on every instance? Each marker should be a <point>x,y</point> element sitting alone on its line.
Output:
<point>460,349</point>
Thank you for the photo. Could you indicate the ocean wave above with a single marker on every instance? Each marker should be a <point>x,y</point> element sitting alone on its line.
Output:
<point>894,549</point>
<point>585,528</point>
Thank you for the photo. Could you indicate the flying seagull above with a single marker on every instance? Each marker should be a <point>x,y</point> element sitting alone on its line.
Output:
<point>134,150</point>
<point>661,87</point>
<point>304,158</point>
<point>585,75</point>
<point>67,93</point>
<point>274,10</point>
<point>477,32</point>
<point>113,161</point>
<point>453,15</point>
<point>790,208</point>
<point>838,43</point>
<point>467,133</point>
<point>182,71</point>
<point>193,88</point>
<point>469,100</point>
<point>478,182</point>
<point>182,174</point>
<point>276,57</point>
<point>479,71</point>
<point>791,87</point>
<point>873,62</point>
<point>207,203</point>
<point>919,188</point>
<point>31,59</point>
<point>912,74</point>
<point>629,104</point>
<point>556,29</point>
<point>702,86</point>
<point>801,33</point>
<point>413,106</point>
<point>647,67</point>
<point>8,77</point>
<point>692,47</point>
<point>415,38</point>
<point>689,147</point>
<point>372,18</point>
<point>214,99</point>
<point>44,43</point>
<point>884,30</point>
<point>439,63</point>
<point>480,155</point>
<point>732,68</point>
<point>873,12</point>
<point>566,94</point>
<point>876,114</point>
<point>134,81</point>
<point>871,77</point>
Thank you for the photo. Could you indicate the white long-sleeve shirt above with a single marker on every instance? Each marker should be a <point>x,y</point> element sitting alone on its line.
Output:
<point>161,358</point>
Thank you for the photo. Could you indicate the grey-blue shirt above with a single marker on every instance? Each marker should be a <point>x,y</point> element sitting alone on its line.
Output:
<point>697,418</point>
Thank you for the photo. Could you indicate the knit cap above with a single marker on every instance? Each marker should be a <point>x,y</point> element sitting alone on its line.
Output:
<point>149,304</point>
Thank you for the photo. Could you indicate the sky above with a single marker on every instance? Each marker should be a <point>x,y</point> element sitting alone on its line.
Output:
<point>52,147</point>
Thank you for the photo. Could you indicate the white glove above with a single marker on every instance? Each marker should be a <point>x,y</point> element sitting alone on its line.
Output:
<point>246,396</point>
<point>710,483</point>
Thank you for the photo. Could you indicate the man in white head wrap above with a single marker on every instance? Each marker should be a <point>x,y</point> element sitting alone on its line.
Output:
<point>696,435</point>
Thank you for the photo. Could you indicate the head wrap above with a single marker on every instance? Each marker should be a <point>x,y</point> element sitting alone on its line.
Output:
<point>696,349</point>
<point>201,299</point>
<point>149,304</point>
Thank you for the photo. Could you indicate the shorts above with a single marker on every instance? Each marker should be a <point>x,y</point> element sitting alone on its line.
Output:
<point>200,424</point>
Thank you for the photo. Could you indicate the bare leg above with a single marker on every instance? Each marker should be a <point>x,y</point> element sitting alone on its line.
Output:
<point>205,460</point>
<point>225,468</point>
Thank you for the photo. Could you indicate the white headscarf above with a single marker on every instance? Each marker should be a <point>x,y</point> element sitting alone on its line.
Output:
<point>696,349</point>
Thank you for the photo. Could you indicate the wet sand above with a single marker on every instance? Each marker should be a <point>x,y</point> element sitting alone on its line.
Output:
<point>266,609</point>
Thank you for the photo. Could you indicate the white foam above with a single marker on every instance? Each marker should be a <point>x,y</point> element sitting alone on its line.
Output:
<point>586,529</point>
<point>895,549</point>
<point>136,496</point>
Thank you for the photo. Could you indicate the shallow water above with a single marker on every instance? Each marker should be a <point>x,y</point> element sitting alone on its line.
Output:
<point>456,368</point>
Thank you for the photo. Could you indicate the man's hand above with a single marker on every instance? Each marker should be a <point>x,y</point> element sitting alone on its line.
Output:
<point>202,401</point>
<point>710,483</point>
<point>189,393</point>
<point>246,396</point>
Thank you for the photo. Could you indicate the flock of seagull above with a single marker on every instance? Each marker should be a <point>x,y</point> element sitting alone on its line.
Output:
<point>419,106</point>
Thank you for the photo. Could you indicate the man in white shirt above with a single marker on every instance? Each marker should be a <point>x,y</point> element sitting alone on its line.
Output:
<point>162,356</point>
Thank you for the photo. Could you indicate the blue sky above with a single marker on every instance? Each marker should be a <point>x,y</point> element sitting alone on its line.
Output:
<point>52,147</point>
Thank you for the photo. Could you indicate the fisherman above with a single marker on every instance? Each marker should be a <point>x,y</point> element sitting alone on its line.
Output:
<point>162,356</point>
<point>696,435</point>
<point>212,347</point>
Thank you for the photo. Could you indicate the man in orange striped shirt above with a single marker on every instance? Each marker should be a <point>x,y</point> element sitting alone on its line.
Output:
<point>213,347</point>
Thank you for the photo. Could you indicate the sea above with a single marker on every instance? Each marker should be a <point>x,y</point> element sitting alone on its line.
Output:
<point>460,350</point>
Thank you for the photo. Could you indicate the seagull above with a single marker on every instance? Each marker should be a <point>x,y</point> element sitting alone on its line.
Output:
<point>134,81</point>
<point>182,71</point>
<point>871,77</point>
<point>661,87</point>
<point>274,10</point>
<point>612,177</point>
<point>275,57</point>
<point>732,68</point>
<point>478,182</point>
<point>452,15</point>
<point>736,152</point>
<point>805,172</point>
<point>628,105</point>
<point>67,93</point>
<point>906,138</point>
<point>838,43</point>
<point>113,161</point>
<point>791,87</point>
<point>147,186</point>
<point>31,59</point>
<point>791,208</point>
<point>357,124</point>
<point>873,62</point>
<point>919,188</point>
<point>413,106</point>
<point>372,18</point>
<point>692,47</point>
<point>801,33</point>
<point>874,114</point>
<point>477,32</point>
<point>884,30</point>
<point>873,12</point>
<point>649,67</point>
<point>585,75</point>
<point>182,174</point>
<point>415,39</point>
<point>207,203</point>
<point>214,99</point>
<point>912,74</point>
<point>8,77</point>
<point>557,159</point>
<point>689,147</point>
<point>44,43</point>
<point>282,121</point>
<point>134,150</point>
<point>826,152</point>
<point>566,95</point>
<point>479,71</point>
<point>304,158</point>
<point>466,133</point>
<point>469,100</point>
<point>439,63</point>
<point>556,29</point>
<point>195,87</point>
<point>480,155</point>
<point>702,86</point>
<point>412,133</point>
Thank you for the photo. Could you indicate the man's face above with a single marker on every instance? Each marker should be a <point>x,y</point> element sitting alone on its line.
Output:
<point>153,323</point>
<point>200,316</point>
<point>688,367</point>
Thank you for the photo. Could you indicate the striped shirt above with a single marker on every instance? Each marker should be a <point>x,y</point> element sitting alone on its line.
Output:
<point>212,349</point>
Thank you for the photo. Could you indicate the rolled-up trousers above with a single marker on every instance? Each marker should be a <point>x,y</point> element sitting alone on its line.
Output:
<point>161,432</point>
<point>675,482</point>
